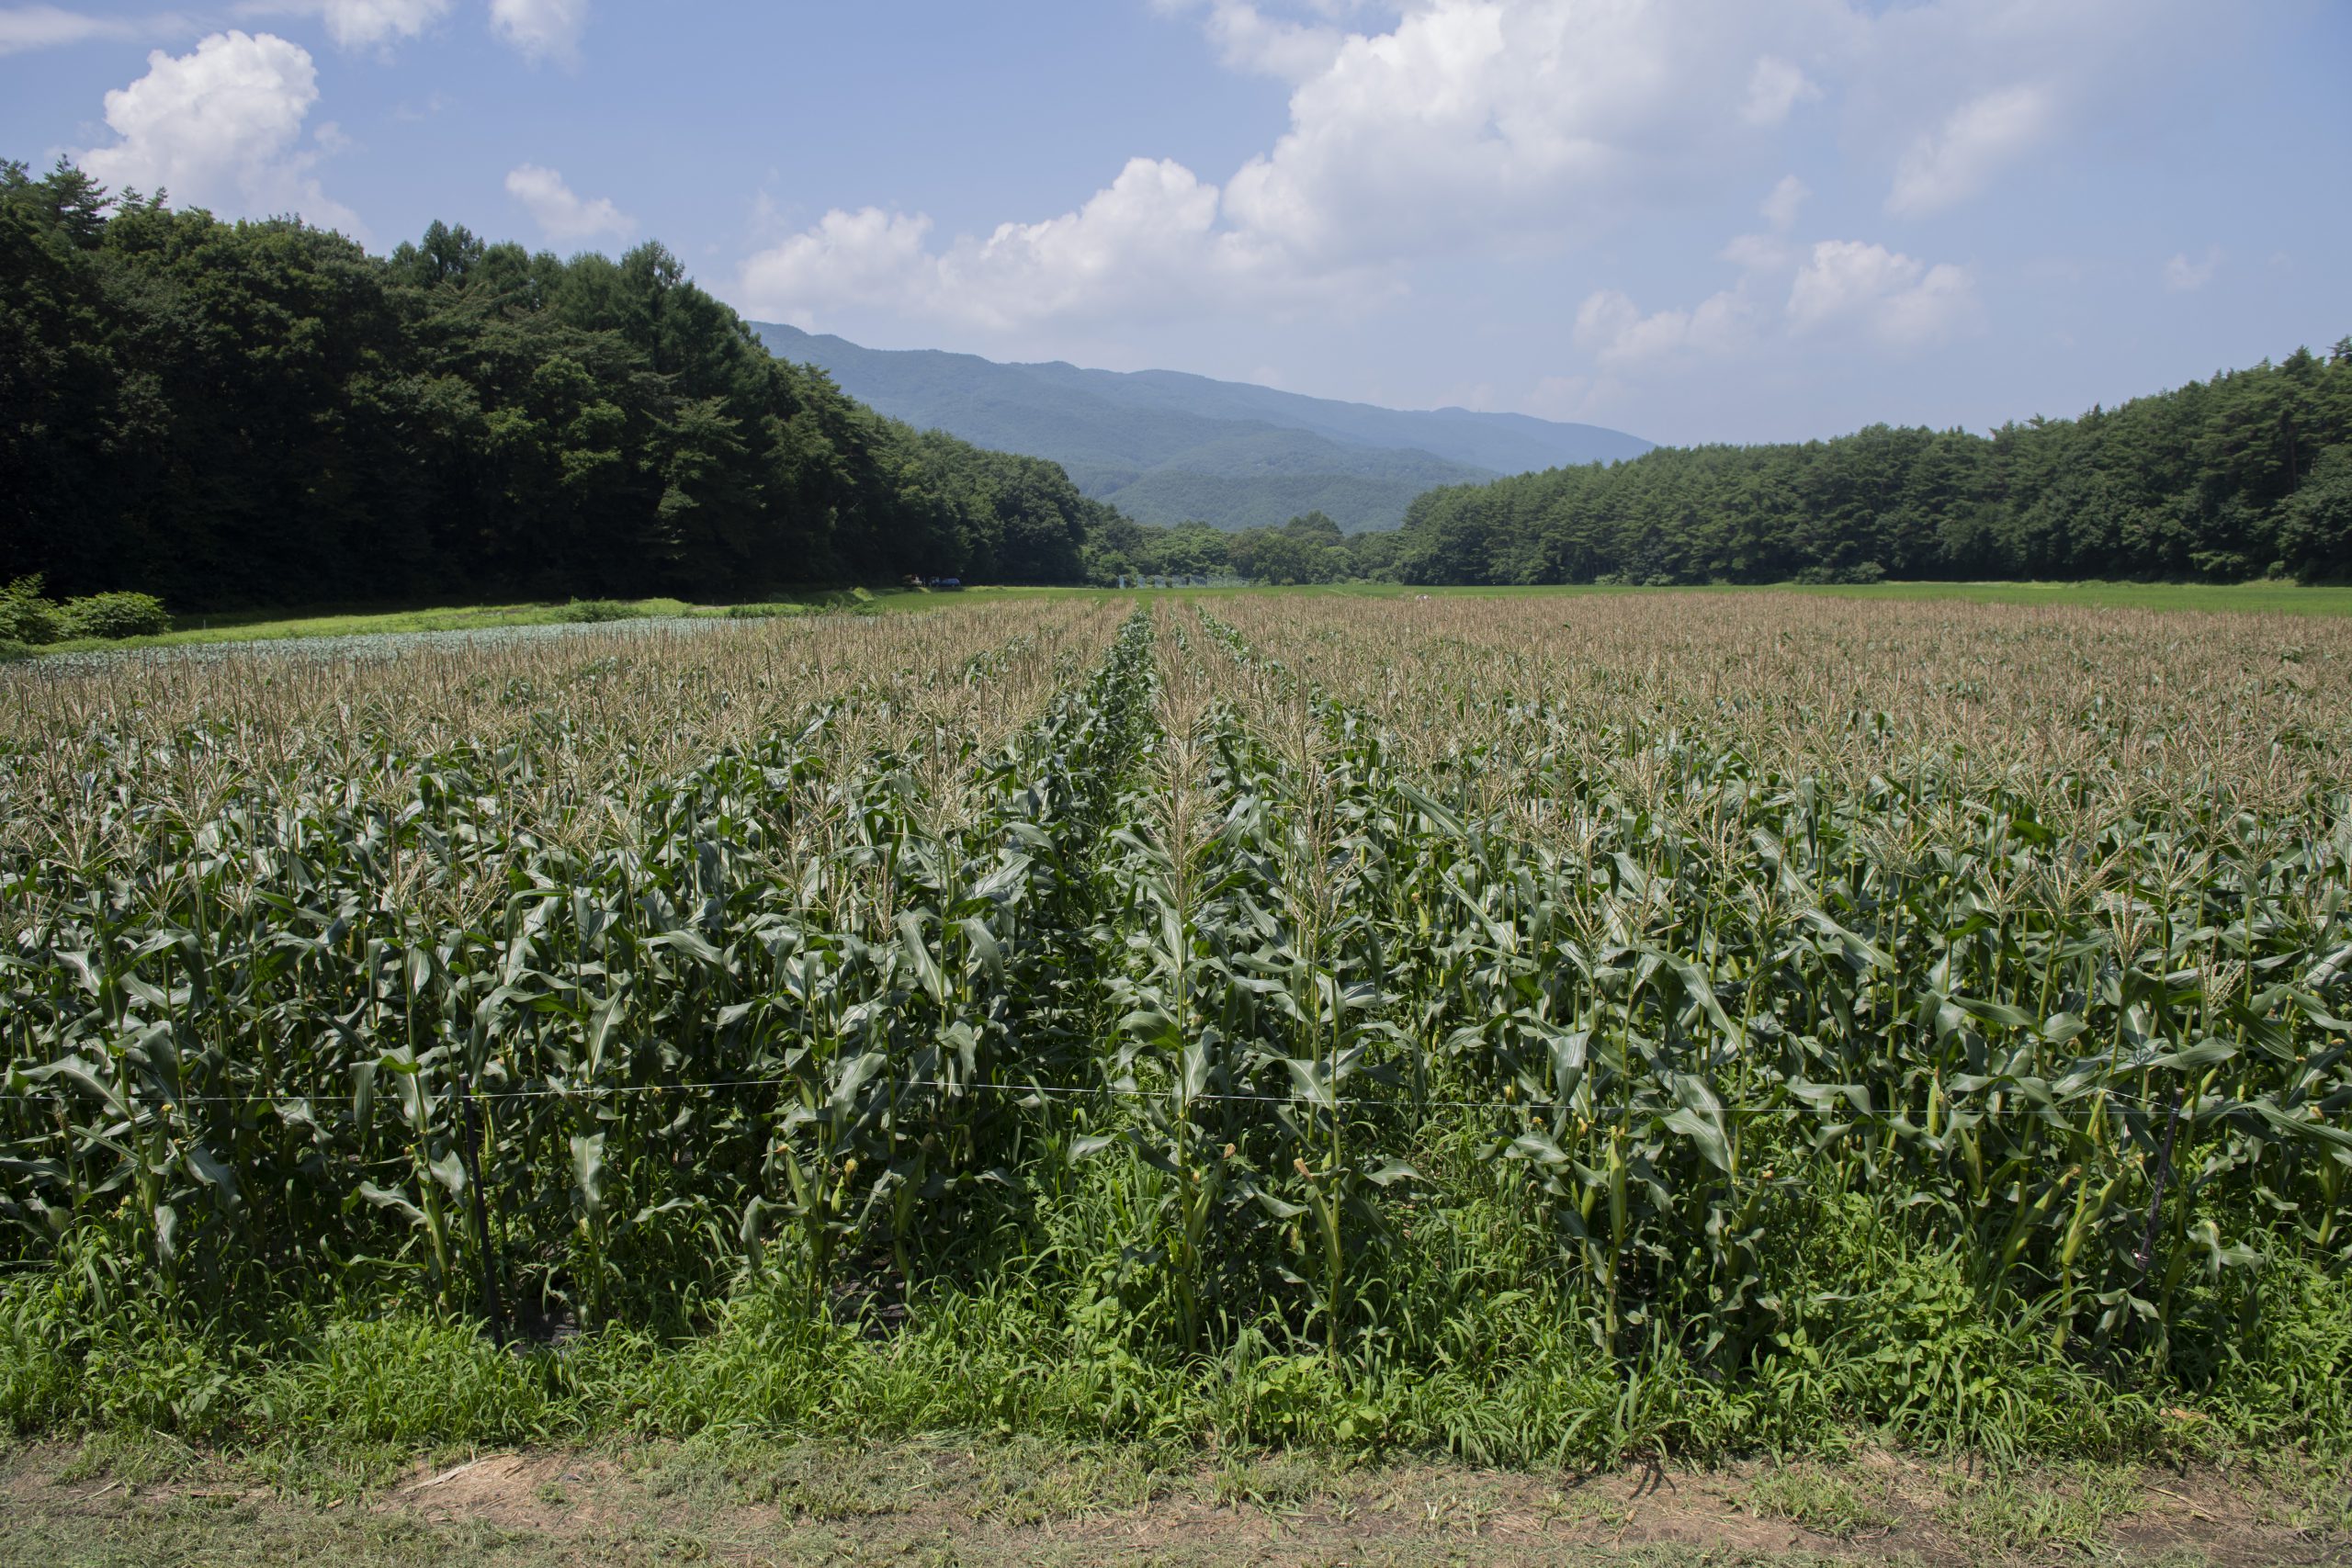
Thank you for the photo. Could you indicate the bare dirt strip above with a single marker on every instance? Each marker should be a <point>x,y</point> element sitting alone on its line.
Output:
<point>1003,1503</point>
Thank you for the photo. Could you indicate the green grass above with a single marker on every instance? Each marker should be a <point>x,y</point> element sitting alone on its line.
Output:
<point>272,625</point>
<point>371,1380</point>
<point>2037,1515</point>
<point>1821,1500</point>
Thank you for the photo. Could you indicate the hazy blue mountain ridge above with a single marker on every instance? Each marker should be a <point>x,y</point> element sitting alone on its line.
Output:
<point>1166,446</point>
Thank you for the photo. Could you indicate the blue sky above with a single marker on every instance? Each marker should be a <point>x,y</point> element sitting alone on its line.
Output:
<point>1695,219</point>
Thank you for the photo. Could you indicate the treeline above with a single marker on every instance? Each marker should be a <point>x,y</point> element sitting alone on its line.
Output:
<point>1306,549</point>
<point>2246,475</point>
<point>263,413</point>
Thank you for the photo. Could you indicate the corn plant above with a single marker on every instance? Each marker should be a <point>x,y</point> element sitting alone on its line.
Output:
<point>598,976</point>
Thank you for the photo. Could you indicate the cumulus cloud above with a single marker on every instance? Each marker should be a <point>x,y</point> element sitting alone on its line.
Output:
<point>1979,138</point>
<point>864,257</point>
<point>46,27</point>
<point>357,24</point>
<point>1249,40</point>
<point>540,29</point>
<point>1769,252</point>
<point>1899,301</point>
<point>221,127</point>
<point>1154,219</point>
<point>2185,277</point>
<point>1614,329</point>
<point>1476,118</point>
<point>1780,208</point>
<point>1467,122</point>
<point>1146,243</point>
<point>1774,88</point>
<point>562,214</point>
<point>1486,127</point>
<point>1887,298</point>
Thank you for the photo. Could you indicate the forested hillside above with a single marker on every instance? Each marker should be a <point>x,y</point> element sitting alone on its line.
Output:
<point>1167,447</point>
<point>254,414</point>
<point>2229,478</point>
<point>258,414</point>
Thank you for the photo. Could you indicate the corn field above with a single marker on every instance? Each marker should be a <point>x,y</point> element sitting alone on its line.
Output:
<point>1319,975</point>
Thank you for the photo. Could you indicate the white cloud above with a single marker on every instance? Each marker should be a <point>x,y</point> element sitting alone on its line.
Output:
<point>1838,293</point>
<point>1774,88</point>
<point>1899,301</point>
<point>1758,252</point>
<point>1487,128</point>
<point>1769,252</point>
<point>1614,331</point>
<point>866,257</point>
<point>357,24</point>
<point>1147,243</point>
<point>221,127</point>
<point>1473,121</point>
<point>559,213</point>
<point>2183,276</point>
<point>1780,208</point>
<point>1976,141</point>
<point>1888,299</point>
<point>354,24</point>
<point>46,27</point>
<point>1247,40</point>
<point>540,29</point>
<point>1466,125</point>
<point>1135,235</point>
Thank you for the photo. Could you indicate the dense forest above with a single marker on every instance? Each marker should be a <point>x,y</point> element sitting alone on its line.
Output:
<point>262,413</point>
<point>258,414</point>
<point>1306,549</point>
<point>2242,476</point>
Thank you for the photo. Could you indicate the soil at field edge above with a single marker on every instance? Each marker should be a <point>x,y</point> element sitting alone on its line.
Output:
<point>1011,1502</point>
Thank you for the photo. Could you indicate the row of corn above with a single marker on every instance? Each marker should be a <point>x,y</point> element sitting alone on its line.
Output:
<point>1201,922</point>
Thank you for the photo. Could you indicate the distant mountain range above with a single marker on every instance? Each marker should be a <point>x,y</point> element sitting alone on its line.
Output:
<point>1168,447</point>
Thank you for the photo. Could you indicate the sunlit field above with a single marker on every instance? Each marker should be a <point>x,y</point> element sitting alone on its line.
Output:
<point>458,623</point>
<point>1538,1028</point>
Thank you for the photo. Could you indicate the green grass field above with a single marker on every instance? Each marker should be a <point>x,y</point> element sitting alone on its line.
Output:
<point>272,625</point>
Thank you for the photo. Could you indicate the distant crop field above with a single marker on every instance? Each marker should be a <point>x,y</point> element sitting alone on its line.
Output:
<point>1539,1027</point>
<point>461,621</point>
<point>2273,597</point>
